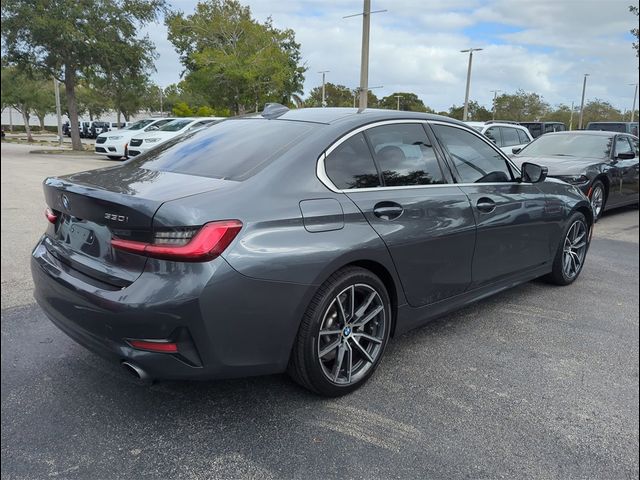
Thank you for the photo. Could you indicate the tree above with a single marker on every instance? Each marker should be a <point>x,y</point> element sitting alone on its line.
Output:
<point>68,38</point>
<point>408,101</point>
<point>476,112</point>
<point>521,106</point>
<point>561,113</point>
<point>44,100</point>
<point>334,95</point>
<point>19,91</point>
<point>92,99</point>
<point>634,31</point>
<point>600,111</point>
<point>234,61</point>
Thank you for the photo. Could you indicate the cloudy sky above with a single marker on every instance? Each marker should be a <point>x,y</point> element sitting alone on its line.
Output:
<point>542,46</point>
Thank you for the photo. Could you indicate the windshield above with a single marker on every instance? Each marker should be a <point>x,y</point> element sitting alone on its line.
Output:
<point>175,125</point>
<point>140,124</point>
<point>590,146</point>
<point>233,149</point>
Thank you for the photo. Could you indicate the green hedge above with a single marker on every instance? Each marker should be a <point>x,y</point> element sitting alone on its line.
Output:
<point>20,128</point>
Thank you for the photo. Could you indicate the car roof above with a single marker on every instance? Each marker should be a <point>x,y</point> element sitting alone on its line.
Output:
<point>348,116</point>
<point>600,133</point>
<point>613,123</point>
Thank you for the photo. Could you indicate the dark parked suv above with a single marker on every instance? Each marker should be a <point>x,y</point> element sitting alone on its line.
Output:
<point>540,128</point>
<point>620,127</point>
<point>296,240</point>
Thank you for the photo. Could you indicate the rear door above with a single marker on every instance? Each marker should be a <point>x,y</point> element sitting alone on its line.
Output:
<point>627,168</point>
<point>513,233</point>
<point>408,198</point>
<point>510,139</point>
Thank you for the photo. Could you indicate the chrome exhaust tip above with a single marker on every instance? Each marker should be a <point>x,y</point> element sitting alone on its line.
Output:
<point>137,372</point>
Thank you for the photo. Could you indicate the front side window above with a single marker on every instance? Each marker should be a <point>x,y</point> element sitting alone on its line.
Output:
<point>509,137</point>
<point>523,137</point>
<point>351,165</point>
<point>623,146</point>
<point>158,124</point>
<point>474,159</point>
<point>175,126</point>
<point>493,134</point>
<point>404,155</point>
<point>139,125</point>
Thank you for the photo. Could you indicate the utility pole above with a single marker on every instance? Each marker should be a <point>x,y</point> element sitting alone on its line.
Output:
<point>398,97</point>
<point>571,117</point>
<point>56,88</point>
<point>635,96</point>
<point>465,114</point>
<point>584,87</point>
<point>161,104</point>
<point>323,72</point>
<point>364,58</point>
<point>495,95</point>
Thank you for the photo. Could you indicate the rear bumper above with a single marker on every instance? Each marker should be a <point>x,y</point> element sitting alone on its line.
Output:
<point>238,326</point>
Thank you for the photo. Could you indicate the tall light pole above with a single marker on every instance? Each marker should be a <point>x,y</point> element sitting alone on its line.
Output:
<point>584,87</point>
<point>56,89</point>
<point>465,114</point>
<point>323,72</point>
<point>571,117</point>
<point>398,97</point>
<point>635,96</point>
<point>495,95</point>
<point>364,57</point>
<point>161,104</point>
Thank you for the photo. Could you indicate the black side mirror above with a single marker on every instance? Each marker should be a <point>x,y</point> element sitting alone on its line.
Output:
<point>532,173</point>
<point>626,156</point>
<point>516,150</point>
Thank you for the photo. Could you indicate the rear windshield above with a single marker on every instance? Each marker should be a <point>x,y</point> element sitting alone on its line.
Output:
<point>232,149</point>
<point>609,127</point>
<point>139,125</point>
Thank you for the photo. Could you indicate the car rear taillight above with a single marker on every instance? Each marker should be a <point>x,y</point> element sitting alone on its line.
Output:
<point>159,346</point>
<point>185,244</point>
<point>52,217</point>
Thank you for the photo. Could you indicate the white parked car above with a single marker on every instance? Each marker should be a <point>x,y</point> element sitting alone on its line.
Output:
<point>115,145</point>
<point>505,135</point>
<point>148,140</point>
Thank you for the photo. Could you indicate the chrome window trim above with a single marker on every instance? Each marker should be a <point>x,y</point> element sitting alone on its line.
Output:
<point>321,172</point>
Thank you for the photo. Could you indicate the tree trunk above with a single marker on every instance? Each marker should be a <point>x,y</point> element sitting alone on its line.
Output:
<point>72,104</point>
<point>119,119</point>
<point>41,118</point>
<point>25,117</point>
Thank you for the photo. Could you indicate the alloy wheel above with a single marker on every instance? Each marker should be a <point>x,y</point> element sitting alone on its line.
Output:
<point>597,200</point>
<point>575,249</point>
<point>351,334</point>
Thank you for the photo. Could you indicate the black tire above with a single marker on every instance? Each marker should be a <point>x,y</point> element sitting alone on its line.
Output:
<point>598,191</point>
<point>114,157</point>
<point>559,274</point>
<point>306,366</point>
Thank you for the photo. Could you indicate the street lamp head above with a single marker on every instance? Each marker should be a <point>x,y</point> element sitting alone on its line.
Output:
<point>471,50</point>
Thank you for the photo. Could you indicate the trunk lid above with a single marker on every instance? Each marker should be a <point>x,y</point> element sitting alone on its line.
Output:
<point>93,207</point>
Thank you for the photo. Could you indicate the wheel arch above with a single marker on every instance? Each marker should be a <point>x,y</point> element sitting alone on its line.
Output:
<point>607,185</point>
<point>387,279</point>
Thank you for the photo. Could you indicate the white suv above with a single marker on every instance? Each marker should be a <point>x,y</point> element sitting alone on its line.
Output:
<point>115,144</point>
<point>506,135</point>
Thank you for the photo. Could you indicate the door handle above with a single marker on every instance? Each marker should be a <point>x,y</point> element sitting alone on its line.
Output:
<point>387,210</point>
<point>486,205</point>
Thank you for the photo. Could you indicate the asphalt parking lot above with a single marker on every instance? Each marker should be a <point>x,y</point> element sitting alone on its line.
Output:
<point>537,382</point>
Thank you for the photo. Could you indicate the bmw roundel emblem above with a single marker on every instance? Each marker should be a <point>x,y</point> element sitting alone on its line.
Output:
<point>65,202</point>
<point>347,331</point>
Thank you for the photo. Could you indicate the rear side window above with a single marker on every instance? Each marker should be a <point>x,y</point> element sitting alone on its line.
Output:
<point>404,155</point>
<point>474,159</point>
<point>351,165</point>
<point>232,149</point>
<point>522,136</point>
<point>509,137</point>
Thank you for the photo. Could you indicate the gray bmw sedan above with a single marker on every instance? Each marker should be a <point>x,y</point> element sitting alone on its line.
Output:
<point>296,240</point>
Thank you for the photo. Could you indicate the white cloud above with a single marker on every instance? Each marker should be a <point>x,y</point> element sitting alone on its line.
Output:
<point>545,46</point>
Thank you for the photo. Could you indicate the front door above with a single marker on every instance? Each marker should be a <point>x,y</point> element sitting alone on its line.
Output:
<point>514,233</point>
<point>407,197</point>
